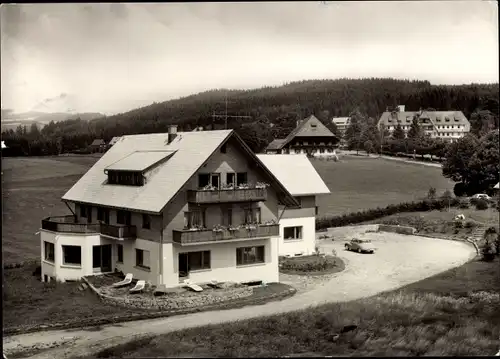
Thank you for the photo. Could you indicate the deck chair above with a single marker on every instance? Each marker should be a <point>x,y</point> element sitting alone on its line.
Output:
<point>192,286</point>
<point>126,281</point>
<point>139,287</point>
<point>215,284</point>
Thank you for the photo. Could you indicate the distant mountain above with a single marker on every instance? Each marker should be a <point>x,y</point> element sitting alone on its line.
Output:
<point>11,120</point>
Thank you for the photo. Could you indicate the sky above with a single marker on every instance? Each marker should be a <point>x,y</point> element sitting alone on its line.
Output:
<point>111,58</point>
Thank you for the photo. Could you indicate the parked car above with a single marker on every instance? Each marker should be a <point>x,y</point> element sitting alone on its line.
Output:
<point>360,246</point>
<point>481,196</point>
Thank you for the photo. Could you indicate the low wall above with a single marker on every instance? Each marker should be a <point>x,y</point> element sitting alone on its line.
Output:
<point>173,301</point>
<point>396,229</point>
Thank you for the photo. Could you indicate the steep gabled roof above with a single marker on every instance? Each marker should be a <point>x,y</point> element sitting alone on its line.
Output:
<point>98,142</point>
<point>192,151</point>
<point>309,127</point>
<point>297,174</point>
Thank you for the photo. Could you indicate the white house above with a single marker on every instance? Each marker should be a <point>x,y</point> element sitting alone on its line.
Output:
<point>298,225</point>
<point>168,207</point>
<point>447,125</point>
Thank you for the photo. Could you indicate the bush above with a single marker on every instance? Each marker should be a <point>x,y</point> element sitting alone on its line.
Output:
<point>469,224</point>
<point>432,193</point>
<point>312,263</point>
<point>463,204</point>
<point>481,204</point>
<point>459,189</point>
<point>375,213</point>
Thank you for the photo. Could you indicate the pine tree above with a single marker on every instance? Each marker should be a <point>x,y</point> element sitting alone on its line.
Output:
<point>398,133</point>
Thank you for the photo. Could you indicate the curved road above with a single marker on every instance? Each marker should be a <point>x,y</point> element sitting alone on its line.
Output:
<point>400,260</point>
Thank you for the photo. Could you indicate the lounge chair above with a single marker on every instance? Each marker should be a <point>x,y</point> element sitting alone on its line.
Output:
<point>215,284</point>
<point>126,281</point>
<point>139,287</point>
<point>192,286</point>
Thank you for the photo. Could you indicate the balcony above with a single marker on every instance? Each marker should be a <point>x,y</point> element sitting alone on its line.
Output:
<point>68,224</point>
<point>227,195</point>
<point>192,237</point>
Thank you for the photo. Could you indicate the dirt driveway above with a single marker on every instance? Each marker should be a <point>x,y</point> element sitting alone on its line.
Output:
<point>400,260</point>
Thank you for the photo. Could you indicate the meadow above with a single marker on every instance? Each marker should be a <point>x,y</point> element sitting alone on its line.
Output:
<point>32,189</point>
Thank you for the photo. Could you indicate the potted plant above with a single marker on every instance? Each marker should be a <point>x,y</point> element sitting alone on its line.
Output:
<point>261,185</point>
<point>251,226</point>
<point>233,228</point>
<point>243,186</point>
<point>218,228</point>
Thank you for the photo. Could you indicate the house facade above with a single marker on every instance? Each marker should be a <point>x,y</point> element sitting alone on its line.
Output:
<point>170,207</point>
<point>310,137</point>
<point>342,124</point>
<point>297,225</point>
<point>447,125</point>
<point>98,145</point>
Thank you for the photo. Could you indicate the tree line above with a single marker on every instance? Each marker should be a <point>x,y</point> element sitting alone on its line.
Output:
<point>273,114</point>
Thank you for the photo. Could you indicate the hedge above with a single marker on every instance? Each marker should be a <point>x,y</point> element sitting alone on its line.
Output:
<point>376,213</point>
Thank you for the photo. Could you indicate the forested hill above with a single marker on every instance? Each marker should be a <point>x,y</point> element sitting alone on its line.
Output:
<point>283,105</point>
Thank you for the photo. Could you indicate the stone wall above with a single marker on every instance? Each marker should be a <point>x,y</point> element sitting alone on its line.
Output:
<point>396,229</point>
<point>173,301</point>
<point>167,302</point>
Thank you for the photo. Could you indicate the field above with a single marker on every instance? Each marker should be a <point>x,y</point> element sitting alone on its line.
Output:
<point>32,188</point>
<point>452,314</point>
<point>359,183</point>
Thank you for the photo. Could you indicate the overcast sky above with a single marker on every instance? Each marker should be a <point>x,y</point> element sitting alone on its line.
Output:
<point>114,57</point>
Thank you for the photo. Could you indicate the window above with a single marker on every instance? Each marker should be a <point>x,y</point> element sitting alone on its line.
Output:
<point>119,252</point>
<point>252,215</point>
<point>227,216</point>
<point>198,260</point>
<point>313,126</point>
<point>241,178</point>
<point>249,255</point>
<point>131,178</point>
<point>292,233</point>
<point>194,219</point>
<point>146,221</point>
<point>203,180</point>
<point>48,251</point>
<point>123,217</point>
<point>85,211</point>
<point>215,180</point>
<point>231,179</point>
<point>103,214</point>
<point>223,148</point>
<point>142,258</point>
<point>72,255</point>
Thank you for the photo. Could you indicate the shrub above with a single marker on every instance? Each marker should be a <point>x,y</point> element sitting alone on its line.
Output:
<point>469,224</point>
<point>459,189</point>
<point>372,214</point>
<point>432,193</point>
<point>463,204</point>
<point>481,205</point>
<point>311,263</point>
<point>488,251</point>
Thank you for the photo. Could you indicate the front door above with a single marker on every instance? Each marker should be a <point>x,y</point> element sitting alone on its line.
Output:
<point>183,265</point>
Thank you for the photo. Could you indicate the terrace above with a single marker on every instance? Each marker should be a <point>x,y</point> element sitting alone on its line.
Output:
<point>69,224</point>
<point>250,232</point>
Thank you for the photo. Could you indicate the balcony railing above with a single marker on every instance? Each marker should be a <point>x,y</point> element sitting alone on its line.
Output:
<point>186,237</point>
<point>68,224</point>
<point>227,195</point>
<point>118,231</point>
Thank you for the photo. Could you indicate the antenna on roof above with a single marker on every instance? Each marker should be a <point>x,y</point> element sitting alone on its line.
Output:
<point>225,116</point>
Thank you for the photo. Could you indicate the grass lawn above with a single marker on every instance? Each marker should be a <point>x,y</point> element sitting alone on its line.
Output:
<point>431,317</point>
<point>31,190</point>
<point>359,183</point>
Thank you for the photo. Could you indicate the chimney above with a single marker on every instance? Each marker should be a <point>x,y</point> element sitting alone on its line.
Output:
<point>401,108</point>
<point>172,133</point>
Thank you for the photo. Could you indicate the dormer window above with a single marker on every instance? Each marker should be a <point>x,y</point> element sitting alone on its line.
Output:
<point>447,119</point>
<point>130,178</point>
